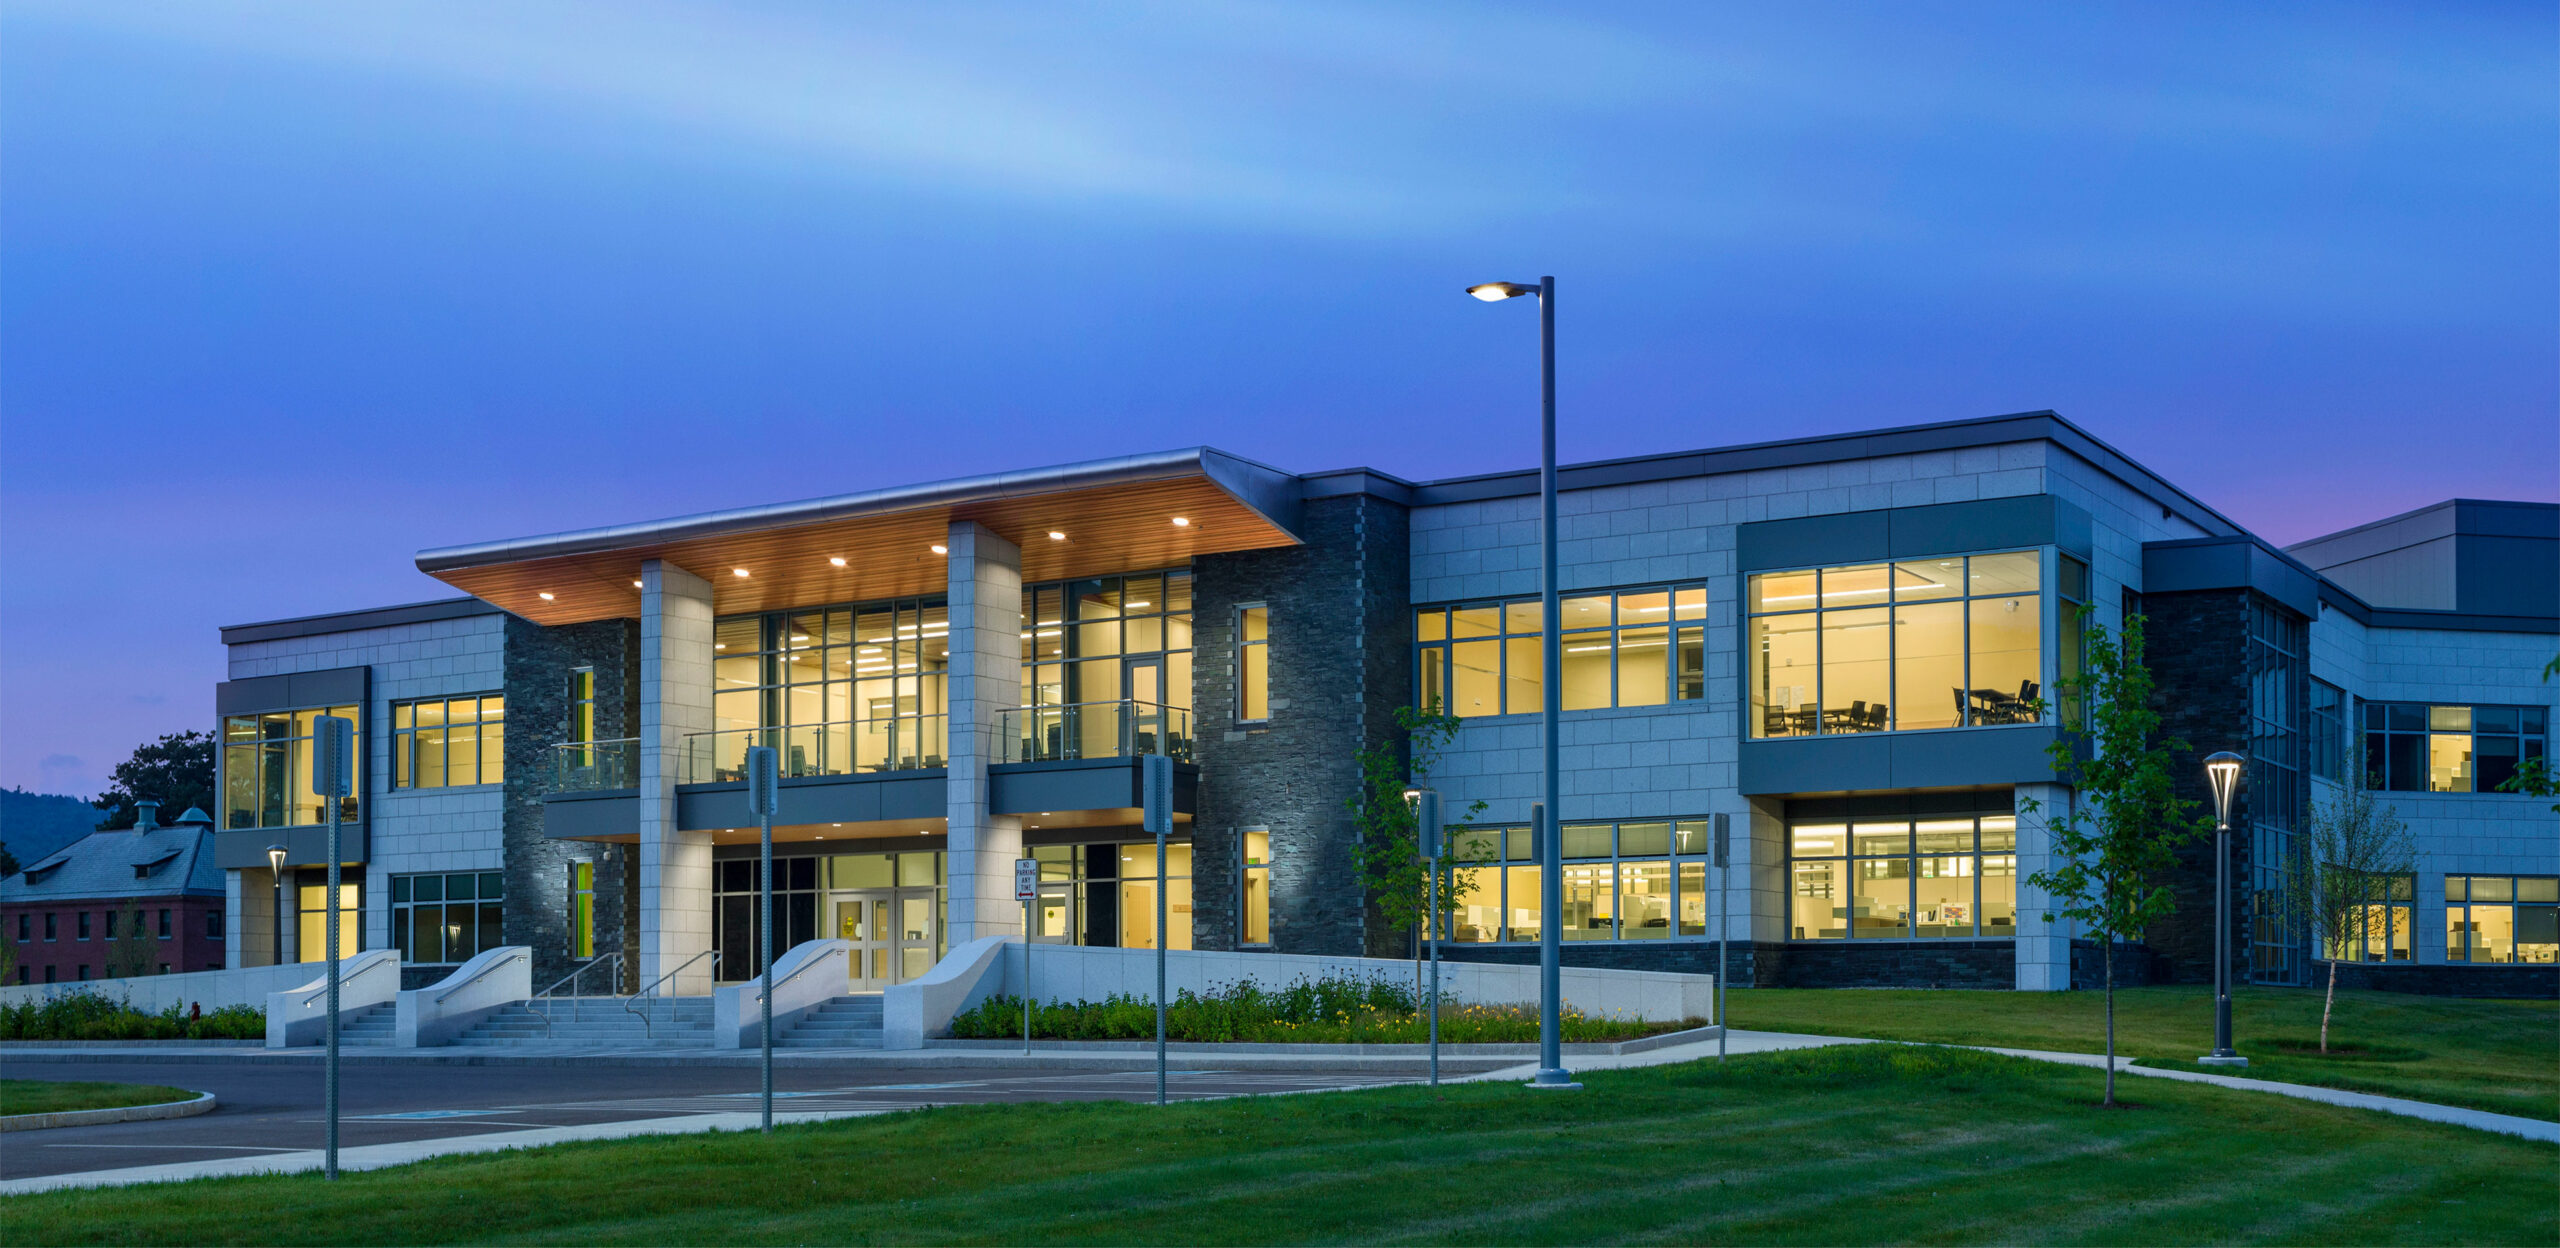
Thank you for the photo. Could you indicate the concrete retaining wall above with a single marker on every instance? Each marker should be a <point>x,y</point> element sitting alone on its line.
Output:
<point>210,989</point>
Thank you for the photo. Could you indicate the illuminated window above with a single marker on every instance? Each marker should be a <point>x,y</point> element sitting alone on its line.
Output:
<point>266,769</point>
<point>2414,747</point>
<point>1253,663</point>
<point>1925,643</point>
<point>1638,647</point>
<point>446,742</point>
<point>1255,909</point>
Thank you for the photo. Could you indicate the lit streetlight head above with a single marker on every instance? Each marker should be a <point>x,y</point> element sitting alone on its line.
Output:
<point>1496,292</point>
<point>2223,770</point>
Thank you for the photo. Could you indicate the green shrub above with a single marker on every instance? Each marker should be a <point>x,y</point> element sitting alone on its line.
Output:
<point>89,1015</point>
<point>1331,1010</point>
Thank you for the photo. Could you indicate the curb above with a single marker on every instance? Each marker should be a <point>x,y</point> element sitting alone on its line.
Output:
<point>1187,1048</point>
<point>10,1046</point>
<point>203,1104</point>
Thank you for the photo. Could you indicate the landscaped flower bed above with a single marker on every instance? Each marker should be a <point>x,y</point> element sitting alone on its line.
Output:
<point>1333,1010</point>
<point>88,1015</point>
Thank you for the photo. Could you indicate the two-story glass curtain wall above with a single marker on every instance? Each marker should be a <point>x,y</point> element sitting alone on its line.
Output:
<point>1644,879</point>
<point>837,689</point>
<point>1088,647</point>
<point>1927,643</point>
<point>266,769</point>
<point>1635,647</point>
<point>1896,877</point>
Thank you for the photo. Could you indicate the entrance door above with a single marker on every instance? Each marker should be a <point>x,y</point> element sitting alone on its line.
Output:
<point>1145,683</point>
<point>893,932</point>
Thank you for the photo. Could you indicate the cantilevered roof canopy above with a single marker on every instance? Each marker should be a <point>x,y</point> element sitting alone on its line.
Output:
<point>1116,514</point>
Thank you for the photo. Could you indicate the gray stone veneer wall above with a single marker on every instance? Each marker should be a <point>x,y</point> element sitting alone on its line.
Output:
<point>538,663</point>
<point>1340,665</point>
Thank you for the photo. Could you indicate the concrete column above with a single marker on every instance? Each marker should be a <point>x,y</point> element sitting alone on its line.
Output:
<point>986,681</point>
<point>2044,949</point>
<point>235,922</point>
<point>675,701</point>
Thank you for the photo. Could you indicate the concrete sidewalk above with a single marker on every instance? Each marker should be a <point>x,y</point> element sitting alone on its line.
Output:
<point>1739,1042</point>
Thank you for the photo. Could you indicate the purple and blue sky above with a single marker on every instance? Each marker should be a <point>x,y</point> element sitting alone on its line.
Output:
<point>289,292</point>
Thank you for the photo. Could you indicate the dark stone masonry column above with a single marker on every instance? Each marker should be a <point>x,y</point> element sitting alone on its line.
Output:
<point>538,663</point>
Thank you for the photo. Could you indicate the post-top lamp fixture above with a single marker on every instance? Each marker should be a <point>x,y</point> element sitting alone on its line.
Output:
<point>1496,292</point>
<point>275,858</point>
<point>2223,770</point>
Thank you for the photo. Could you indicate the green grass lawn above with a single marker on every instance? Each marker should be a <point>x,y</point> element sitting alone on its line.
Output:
<point>1855,1144</point>
<point>2495,1055</point>
<point>45,1096</point>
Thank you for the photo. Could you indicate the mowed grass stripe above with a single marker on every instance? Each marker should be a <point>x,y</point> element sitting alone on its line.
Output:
<point>1850,1144</point>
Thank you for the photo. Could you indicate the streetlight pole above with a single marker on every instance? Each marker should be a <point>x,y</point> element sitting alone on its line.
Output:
<point>2222,770</point>
<point>1551,1071</point>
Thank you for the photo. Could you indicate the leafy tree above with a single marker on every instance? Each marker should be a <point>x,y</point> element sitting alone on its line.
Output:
<point>2341,870</point>
<point>2114,849</point>
<point>175,771</point>
<point>1392,869</point>
<point>133,951</point>
<point>8,862</point>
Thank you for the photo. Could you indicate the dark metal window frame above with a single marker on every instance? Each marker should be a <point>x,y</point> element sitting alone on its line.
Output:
<point>1440,652</point>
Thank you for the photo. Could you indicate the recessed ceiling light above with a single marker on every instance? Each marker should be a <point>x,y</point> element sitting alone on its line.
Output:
<point>737,571</point>
<point>837,560</point>
<point>638,585</point>
<point>1057,536</point>
<point>835,825</point>
<point>546,595</point>
<point>1182,522</point>
<point>940,549</point>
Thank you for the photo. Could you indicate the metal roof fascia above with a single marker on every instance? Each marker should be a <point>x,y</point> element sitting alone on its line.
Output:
<point>959,492</point>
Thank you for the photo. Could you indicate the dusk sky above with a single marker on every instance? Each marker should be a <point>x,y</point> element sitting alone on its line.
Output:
<point>290,292</point>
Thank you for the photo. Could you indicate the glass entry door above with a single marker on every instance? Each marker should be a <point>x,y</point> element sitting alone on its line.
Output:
<point>892,932</point>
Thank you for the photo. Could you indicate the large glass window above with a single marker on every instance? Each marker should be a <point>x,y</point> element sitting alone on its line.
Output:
<point>447,918</point>
<point>266,769</point>
<point>835,689</point>
<point>1926,643</point>
<point>1253,663</point>
<point>311,910</point>
<point>2328,726</point>
<point>2417,747</point>
<point>1637,647</point>
<point>2278,642</point>
<point>1896,877</point>
<point>1642,879</point>
<point>444,742</point>
<point>2381,931</point>
<point>2502,918</point>
<point>1255,907</point>
<point>1105,639</point>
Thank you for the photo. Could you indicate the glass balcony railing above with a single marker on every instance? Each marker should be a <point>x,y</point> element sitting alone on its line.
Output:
<point>1123,729</point>
<point>839,749</point>
<point>588,766</point>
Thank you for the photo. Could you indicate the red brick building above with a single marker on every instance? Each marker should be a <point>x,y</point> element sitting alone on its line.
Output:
<point>146,900</point>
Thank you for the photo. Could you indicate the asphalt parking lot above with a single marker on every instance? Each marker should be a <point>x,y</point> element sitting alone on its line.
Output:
<point>277,1109</point>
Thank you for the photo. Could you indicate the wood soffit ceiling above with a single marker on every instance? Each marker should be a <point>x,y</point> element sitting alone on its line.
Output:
<point>1109,529</point>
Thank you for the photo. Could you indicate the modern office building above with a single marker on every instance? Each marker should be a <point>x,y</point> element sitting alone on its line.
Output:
<point>1847,644</point>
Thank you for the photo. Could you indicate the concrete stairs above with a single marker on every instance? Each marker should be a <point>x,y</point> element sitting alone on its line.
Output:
<point>843,1023</point>
<point>597,1023</point>
<point>370,1026</point>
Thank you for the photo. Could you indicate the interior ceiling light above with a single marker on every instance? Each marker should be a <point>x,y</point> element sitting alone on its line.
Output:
<point>737,572</point>
<point>546,595</point>
<point>837,560</point>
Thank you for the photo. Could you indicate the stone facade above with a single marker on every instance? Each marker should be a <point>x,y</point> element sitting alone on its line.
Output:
<point>1340,665</point>
<point>2198,649</point>
<point>538,663</point>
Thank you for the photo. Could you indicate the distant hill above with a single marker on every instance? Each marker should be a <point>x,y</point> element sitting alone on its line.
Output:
<point>34,825</point>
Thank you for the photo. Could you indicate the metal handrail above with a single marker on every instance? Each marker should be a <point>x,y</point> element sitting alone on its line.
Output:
<point>1020,730</point>
<point>594,766</point>
<point>639,1002</point>
<point>576,1009</point>
<point>520,952</point>
<point>840,747</point>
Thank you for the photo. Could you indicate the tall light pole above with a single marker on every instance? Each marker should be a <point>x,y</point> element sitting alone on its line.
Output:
<point>2223,771</point>
<point>1551,1071</point>
<point>275,867</point>
<point>1426,830</point>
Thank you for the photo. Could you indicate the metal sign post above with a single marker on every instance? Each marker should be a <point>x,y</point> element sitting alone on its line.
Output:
<point>1426,831</point>
<point>1026,889</point>
<point>333,760</point>
<point>1724,935</point>
<point>1155,785</point>
<point>764,793</point>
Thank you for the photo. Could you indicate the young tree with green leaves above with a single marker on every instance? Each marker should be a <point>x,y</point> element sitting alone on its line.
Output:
<point>2338,878</point>
<point>1393,871</point>
<point>175,771</point>
<point>132,952</point>
<point>2114,849</point>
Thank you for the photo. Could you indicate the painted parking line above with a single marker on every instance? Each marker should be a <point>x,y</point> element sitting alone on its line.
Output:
<point>416,1115</point>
